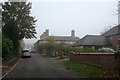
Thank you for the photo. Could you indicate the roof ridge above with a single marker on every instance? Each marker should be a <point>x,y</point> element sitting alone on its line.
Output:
<point>64,36</point>
<point>93,35</point>
<point>110,31</point>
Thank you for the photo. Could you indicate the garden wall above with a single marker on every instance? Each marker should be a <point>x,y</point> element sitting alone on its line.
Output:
<point>105,60</point>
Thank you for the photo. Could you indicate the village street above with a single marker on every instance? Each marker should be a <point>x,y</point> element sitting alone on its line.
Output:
<point>40,67</point>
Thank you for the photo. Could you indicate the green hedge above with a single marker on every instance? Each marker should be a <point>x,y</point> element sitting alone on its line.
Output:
<point>7,48</point>
<point>83,50</point>
<point>0,44</point>
<point>49,48</point>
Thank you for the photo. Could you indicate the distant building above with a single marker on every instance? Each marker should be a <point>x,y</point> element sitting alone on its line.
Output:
<point>110,38</point>
<point>69,40</point>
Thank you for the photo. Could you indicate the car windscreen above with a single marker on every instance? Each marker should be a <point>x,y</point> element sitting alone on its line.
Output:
<point>25,51</point>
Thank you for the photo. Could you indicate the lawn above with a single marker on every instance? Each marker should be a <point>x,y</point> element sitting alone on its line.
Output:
<point>83,69</point>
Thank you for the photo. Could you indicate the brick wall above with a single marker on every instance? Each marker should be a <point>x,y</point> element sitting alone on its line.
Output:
<point>114,40</point>
<point>102,60</point>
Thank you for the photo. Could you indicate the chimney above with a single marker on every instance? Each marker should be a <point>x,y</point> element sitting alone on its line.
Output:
<point>47,33</point>
<point>44,35</point>
<point>73,33</point>
<point>41,37</point>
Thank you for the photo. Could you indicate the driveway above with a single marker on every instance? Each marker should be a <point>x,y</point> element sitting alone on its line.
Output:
<point>40,67</point>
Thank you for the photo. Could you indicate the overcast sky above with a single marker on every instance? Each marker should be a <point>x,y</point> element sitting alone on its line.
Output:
<point>86,17</point>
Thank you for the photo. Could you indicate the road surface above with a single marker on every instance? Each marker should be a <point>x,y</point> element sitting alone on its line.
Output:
<point>40,67</point>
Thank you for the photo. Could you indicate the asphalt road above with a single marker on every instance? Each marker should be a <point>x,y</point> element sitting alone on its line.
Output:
<point>40,67</point>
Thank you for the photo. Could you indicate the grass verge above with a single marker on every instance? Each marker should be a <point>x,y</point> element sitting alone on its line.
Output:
<point>83,69</point>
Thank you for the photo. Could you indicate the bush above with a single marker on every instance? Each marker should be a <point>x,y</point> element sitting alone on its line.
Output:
<point>47,48</point>
<point>7,48</point>
<point>51,49</point>
<point>83,50</point>
<point>0,44</point>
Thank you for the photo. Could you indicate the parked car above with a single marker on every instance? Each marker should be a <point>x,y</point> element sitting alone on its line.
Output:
<point>106,50</point>
<point>26,53</point>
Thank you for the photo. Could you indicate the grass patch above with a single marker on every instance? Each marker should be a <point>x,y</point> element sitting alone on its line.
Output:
<point>83,69</point>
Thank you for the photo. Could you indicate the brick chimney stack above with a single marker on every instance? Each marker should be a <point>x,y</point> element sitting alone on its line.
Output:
<point>73,33</point>
<point>47,32</point>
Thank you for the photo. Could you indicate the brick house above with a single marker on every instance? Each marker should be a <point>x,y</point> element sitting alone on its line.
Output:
<point>113,36</point>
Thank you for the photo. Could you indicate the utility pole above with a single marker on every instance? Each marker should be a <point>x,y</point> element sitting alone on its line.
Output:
<point>118,12</point>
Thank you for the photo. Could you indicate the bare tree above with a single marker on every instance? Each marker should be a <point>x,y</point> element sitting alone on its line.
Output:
<point>106,29</point>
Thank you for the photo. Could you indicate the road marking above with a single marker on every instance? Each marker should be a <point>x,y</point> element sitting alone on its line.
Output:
<point>10,69</point>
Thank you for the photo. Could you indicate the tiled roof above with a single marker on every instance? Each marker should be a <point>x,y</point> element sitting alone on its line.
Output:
<point>64,38</point>
<point>113,31</point>
<point>92,40</point>
<point>98,39</point>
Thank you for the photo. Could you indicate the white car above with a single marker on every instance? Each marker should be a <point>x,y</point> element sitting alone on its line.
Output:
<point>106,50</point>
<point>26,54</point>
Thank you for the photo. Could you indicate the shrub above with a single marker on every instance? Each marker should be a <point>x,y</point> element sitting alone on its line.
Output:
<point>7,48</point>
<point>47,48</point>
<point>83,50</point>
<point>62,49</point>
